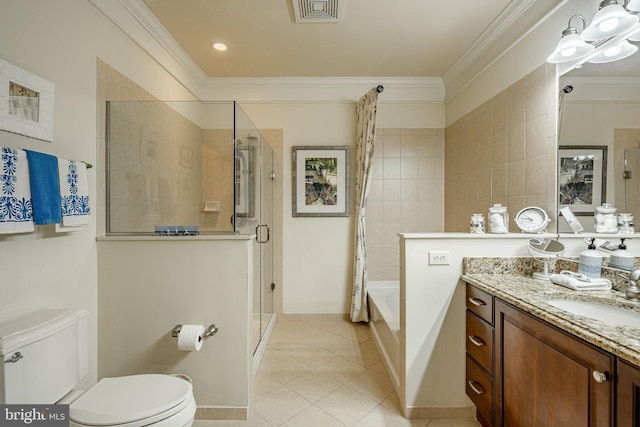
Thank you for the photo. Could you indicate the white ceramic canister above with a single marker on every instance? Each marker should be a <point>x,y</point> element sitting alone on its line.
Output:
<point>498,219</point>
<point>606,219</point>
<point>476,225</point>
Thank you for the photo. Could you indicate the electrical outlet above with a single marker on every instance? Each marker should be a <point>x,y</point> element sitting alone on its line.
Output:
<point>439,257</point>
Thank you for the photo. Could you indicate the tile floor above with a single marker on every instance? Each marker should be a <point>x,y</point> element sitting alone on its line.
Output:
<point>322,371</point>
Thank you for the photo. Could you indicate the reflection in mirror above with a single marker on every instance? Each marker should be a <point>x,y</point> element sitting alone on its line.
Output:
<point>600,106</point>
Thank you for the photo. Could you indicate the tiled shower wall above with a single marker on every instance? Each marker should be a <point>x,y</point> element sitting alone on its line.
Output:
<point>406,194</point>
<point>504,152</point>
<point>156,168</point>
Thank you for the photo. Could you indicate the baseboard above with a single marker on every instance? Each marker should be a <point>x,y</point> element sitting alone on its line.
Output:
<point>441,413</point>
<point>314,316</point>
<point>226,413</point>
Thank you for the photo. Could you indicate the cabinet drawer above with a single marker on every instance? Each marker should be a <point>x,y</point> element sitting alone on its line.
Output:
<point>480,389</point>
<point>481,303</point>
<point>480,341</point>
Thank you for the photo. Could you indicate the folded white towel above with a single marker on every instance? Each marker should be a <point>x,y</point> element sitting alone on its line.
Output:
<point>74,195</point>
<point>571,282</point>
<point>16,211</point>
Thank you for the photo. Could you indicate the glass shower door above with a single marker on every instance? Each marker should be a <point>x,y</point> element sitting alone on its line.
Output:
<point>632,181</point>
<point>265,241</point>
<point>253,193</point>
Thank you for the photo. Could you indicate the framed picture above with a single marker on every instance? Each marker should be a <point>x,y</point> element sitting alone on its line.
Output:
<point>582,177</point>
<point>26,103</point>
<point>321,181</point>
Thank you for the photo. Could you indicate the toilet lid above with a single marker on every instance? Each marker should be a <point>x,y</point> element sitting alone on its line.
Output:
<point>127,399</point>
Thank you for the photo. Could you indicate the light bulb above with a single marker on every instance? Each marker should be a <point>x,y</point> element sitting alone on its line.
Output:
<point>612,51</point>
<point>608,24</point>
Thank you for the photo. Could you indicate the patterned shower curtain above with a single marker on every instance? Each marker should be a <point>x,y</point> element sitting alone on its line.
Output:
<point>366,136</point>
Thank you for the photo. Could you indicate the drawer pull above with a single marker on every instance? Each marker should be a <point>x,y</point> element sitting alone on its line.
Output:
<point>477,302</point>
<point>476,341</point>
<point>600,377</point>
<point>477,388</point>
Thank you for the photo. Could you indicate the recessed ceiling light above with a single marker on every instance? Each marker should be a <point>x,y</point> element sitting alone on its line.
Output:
<point>219,46</point>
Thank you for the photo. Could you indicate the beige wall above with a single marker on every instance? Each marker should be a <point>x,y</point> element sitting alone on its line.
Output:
<point>150,285</point>
<point>406,195</point>
<point>504,152</point>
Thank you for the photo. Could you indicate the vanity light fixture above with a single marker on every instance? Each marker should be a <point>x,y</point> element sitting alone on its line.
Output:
<point>219,46</point>
<point>611,20</point>
<point>633,5</point>
<point>619,51</point>
<point>606,39</point>
<point>571,46</point>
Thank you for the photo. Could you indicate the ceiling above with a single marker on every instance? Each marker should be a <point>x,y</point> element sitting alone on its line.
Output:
<point>374,38</point>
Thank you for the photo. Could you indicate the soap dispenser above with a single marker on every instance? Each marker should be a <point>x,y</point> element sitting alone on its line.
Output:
<point>590,262</point>
<point>622,258</point>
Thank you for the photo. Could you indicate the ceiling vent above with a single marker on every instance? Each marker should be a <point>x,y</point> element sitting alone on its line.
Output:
<point>314,11</point>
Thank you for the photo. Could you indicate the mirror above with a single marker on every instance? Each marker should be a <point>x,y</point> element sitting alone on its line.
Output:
<point>599,107</point>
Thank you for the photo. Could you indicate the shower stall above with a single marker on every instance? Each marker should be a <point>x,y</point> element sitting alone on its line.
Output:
<point>631,177</point>
<point>187,168</point>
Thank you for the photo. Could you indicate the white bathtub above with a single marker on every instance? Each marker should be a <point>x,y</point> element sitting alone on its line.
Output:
<point>384,308</point>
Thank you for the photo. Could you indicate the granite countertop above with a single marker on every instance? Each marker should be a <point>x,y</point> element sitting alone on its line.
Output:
<point>530,295</point>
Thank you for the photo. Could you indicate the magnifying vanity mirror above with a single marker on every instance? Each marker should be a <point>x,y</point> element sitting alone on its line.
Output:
<point>599,115</point>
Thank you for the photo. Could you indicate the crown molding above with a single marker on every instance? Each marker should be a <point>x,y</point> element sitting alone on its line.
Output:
<point>509,15</point>
<point>602,89</point>
<point>326,89</point>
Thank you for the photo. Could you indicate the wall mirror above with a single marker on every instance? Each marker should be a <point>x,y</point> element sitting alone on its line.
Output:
<point>599,107</point>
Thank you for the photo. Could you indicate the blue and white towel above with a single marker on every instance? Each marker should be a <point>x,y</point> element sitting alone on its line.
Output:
<point>74,195</point>
<point>16,212</point>
<point>45,187</point>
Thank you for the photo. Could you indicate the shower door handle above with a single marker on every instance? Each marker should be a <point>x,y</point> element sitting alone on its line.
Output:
<point>259,234</point>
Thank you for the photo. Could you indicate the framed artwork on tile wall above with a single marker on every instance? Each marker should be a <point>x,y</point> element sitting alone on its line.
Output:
<point>582,177</point>
<point>26,103</point>
<point>320,181</point>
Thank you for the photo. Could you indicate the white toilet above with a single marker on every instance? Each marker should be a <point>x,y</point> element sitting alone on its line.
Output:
<point>45,355</point>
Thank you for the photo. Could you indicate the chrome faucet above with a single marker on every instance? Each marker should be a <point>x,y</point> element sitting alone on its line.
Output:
<point>633,291</point>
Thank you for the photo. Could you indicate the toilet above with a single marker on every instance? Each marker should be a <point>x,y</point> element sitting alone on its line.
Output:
<point>45,355</point>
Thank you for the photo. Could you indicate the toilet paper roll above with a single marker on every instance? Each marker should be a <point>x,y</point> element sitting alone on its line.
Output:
<point>190,338</point>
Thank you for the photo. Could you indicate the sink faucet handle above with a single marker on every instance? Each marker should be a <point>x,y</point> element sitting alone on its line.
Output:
<point>633,291</point>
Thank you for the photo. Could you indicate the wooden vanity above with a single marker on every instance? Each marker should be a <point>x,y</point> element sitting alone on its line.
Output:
<point>531,364</point>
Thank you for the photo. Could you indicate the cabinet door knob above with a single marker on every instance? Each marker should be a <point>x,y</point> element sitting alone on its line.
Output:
<point>477,302</point>
<point>477,388</point>
<point>600,377</point>
<point>476,341</point>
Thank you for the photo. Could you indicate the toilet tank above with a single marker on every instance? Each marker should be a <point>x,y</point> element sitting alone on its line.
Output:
<point>45,354</point>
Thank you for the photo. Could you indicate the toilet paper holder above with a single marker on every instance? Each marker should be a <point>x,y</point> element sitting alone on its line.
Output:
<point>209,332</point>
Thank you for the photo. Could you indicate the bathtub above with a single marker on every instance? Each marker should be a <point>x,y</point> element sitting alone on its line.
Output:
<point>384,310</point>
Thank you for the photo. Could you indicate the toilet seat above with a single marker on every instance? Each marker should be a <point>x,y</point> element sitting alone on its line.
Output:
<point>132,401</point>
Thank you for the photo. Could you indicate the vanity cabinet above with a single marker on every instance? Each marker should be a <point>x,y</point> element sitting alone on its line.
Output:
<point>480,357</point>
<point>527,372</point>
<point>628,398</point>
<point>548,377</point>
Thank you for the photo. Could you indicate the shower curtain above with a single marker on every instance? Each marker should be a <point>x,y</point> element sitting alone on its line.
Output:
<point>365,140</point>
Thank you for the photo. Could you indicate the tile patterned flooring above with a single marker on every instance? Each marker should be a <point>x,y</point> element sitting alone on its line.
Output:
<point>323,371</point>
